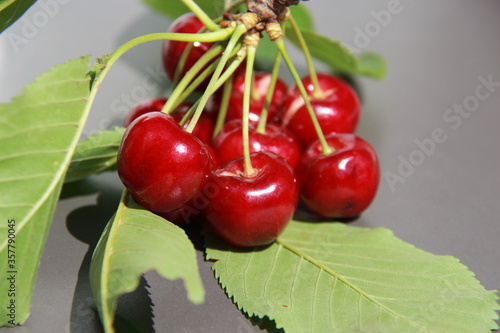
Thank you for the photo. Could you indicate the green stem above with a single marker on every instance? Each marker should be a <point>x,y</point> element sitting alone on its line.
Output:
<point>237,33</point>
<point>317,92</point>
<point>206,73</point>
<point>183,59</point>
<point>173,99</point>
<point>189,114</point>
<point>210,37</point>
<point>182,62</point>
<point>261,127</point>
<point>221,116</point>
<point>282,48</point>
<point>200,13</point>
<point>223,79</point>
<point>245,122</point>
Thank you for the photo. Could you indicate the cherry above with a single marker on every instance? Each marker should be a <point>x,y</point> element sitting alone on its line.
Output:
<point>161,164</point>
<point>258,97</point>
<point>337,109</point>
<point>204,127</point>
<point>252,210</point>
<point>172,50</point>
<point>341,184</point>
<point>228,144</point>
<point>150,105</point>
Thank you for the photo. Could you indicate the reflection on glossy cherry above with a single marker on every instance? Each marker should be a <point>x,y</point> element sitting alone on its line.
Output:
<point>150,105</point>
<point>341,184</point>
<point>161,164</point>
<point>252,210</point>
<point>204,127</point>
<point>172,50</point>
<point>258,97</point>
<point>337,110</point>
<point>228,144</point>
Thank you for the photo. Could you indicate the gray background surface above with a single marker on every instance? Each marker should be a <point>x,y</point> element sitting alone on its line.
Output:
<point>437,52</point>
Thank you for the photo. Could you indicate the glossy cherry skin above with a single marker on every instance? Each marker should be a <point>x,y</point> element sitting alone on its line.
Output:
<point>161,164</point>
<point>228,144</point>
<point>150,105</point>
<point>341,184</point>
<point>257,99</point>
<point>337,111</point>
<point>253,210</point>
<point>172,50</point>
<point>204,127</point>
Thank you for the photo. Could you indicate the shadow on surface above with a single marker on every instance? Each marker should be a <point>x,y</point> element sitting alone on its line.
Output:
<point>303,215</point>
<point>134,311</point>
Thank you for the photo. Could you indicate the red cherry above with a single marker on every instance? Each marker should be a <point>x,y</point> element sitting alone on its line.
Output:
<point>161,164</point>
<point>189,211</point>
<point>172,50</point>
<point>341,184</point>
<point>151,105</point>
<point>338,110</point>
<point>252,210</point>
<point>204,128</point>
<point>261,86</point>
<point>228,144</point>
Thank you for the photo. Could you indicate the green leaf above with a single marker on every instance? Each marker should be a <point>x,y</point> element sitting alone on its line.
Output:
<point>339,58</point>
<point>39,131</point>
<point>175,8</point>
<point>303,17</point>
<point>11,10</point>
<point>96,154</point>
<point>329,277</point>
<point>134,242</point>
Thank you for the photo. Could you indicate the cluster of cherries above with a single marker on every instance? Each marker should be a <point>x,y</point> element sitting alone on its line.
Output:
<point>179,175</point>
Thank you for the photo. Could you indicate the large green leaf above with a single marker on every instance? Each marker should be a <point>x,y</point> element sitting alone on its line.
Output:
<point>338,57</point>
<point>134,242</point>
<point>329,277</point>
<point>303,17</point>
<point>39,131</point>
<point>175,8</point>
<point>96,154</point>
<point>11,10</point>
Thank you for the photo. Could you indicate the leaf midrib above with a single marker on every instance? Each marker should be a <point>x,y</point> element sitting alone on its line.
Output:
<point>58,175</point>
<point>301,254</point>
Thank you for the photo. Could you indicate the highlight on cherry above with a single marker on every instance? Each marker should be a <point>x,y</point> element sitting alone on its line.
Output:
<point>238,148</point>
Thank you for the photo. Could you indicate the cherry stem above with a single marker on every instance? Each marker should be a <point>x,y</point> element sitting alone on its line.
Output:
<point>200,13</point>
<point>223,79</point>
<point>221,116</point>
<point>190,76</point>
<point>245,122</point>
<point>237,33</point>
<point>206,73</point>
<point>210,37</point>
<point>317,92</point>
<point>261,127</point>
<point>183,59</point>
<point>321,137</point>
